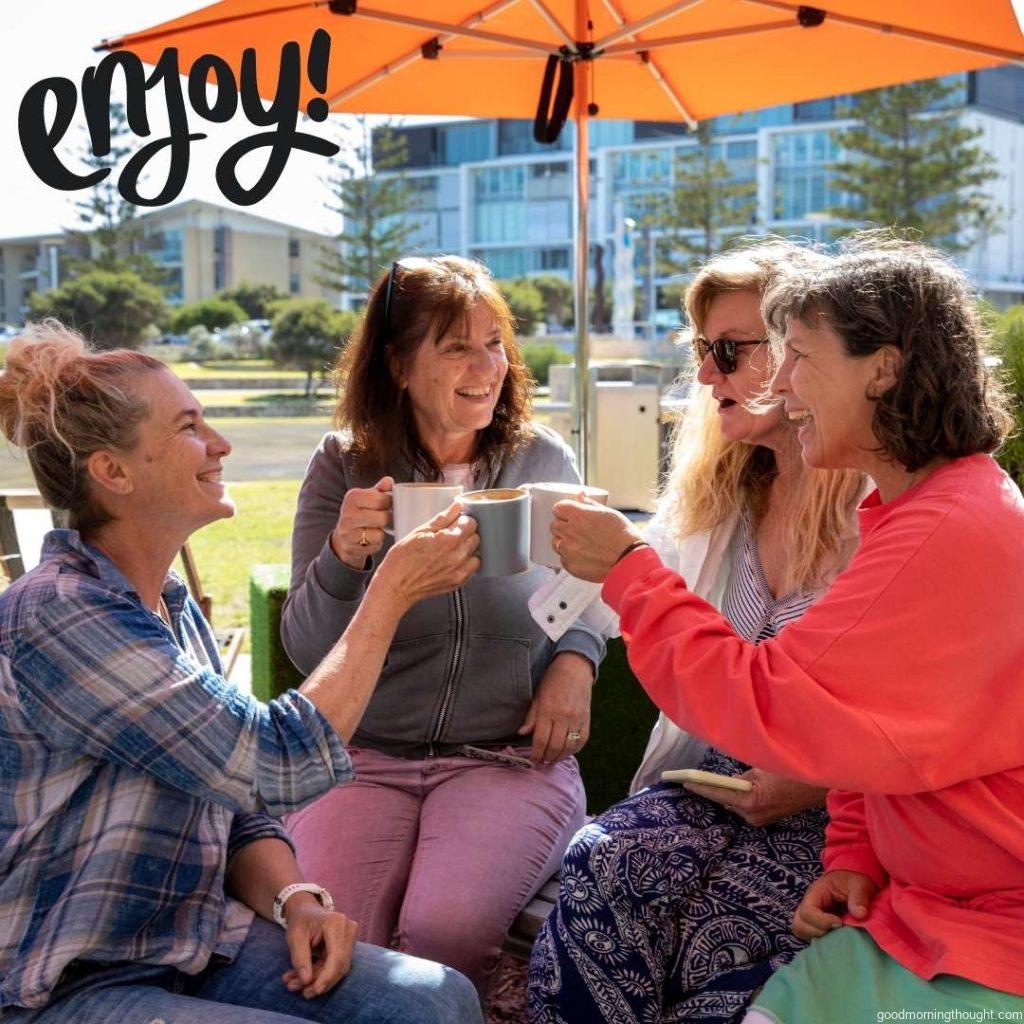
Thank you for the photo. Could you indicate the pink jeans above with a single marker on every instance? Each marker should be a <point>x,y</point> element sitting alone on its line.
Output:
<point>442,853</point>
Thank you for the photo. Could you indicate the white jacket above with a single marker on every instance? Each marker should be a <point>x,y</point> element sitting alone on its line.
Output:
<point>704,560</point>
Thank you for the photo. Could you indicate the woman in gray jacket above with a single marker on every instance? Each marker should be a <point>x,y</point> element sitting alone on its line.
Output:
<point>467,790</point>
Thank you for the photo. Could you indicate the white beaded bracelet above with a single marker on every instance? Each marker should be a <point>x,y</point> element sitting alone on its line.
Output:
<point>290,890</point>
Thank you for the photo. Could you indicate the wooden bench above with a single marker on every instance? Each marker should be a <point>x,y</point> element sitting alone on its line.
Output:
<point>24,520</point>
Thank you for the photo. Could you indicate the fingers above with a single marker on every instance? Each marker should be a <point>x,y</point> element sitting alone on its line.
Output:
<point>338,939</point>
<point>449,517</point>
<point>717,794</point>
<point>541,735</point>
<point>385,485</point>
<point>811,922</point>
<point>558,739</point>
<point>299,952</point>
<point>529,721</point>
<point>859,894</point>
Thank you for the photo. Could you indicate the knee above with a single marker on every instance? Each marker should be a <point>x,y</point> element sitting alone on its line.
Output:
<point>451,999</point>
<point>466,943</point>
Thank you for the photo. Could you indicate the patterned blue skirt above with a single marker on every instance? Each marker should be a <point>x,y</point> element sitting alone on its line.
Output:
<point>672,908</point>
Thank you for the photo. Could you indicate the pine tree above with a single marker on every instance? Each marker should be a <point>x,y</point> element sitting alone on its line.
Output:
<point>109,235</point>
<point>911,163</point>
<point>373,206</point>
<point>706,207</point>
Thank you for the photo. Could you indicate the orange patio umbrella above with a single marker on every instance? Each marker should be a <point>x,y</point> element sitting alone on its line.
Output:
<point>685,60</point>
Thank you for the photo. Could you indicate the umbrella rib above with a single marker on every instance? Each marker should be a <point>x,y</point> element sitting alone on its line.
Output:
<point>550,18</point>
<point>624,30</point>
<point>697,37</point>
<point>416,54</point>
<point>655,71</point>
<point>146,37</point>
<point>537,46</point>
<point>909,33</point>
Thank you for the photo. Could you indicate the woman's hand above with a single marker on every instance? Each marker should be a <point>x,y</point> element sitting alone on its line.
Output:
<point>833,891</point>
<point>561,706</point>
<point>320,943</point>
<point>435,558</point>
<point>589,538</point>
<point>365,511</point>
<point>772,798</point>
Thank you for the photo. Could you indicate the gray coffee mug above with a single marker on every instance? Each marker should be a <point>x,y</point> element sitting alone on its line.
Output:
<point>502,517</point>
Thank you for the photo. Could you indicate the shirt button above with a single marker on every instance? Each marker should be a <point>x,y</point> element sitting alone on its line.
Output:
<point>562,605</point>
<point>551,618</point>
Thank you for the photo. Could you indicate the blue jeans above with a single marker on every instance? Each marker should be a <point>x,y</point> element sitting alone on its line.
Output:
<point>383,987</point>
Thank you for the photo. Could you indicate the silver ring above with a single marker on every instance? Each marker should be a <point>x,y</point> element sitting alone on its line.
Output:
<point>557,545</point>
<point>363,542</point>
<point>574,735</point>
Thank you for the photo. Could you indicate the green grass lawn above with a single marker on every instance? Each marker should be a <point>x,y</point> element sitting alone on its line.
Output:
<point>234,368</point>
<point>226,550</point>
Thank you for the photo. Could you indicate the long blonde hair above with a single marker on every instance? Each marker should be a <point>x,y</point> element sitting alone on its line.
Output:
<point>711,478</point>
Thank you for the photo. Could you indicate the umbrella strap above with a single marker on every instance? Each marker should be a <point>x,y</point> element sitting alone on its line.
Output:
<point>549,121</point>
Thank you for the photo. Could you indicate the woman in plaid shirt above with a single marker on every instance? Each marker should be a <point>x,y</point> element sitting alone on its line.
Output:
<point>141,862</point>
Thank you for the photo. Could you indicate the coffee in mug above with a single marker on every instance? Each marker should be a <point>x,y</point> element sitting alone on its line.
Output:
<point>543,498</point>
<point>502,517</point>
<point>414,504</point>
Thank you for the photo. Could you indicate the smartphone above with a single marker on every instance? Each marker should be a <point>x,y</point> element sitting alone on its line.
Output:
<point>682,775</point>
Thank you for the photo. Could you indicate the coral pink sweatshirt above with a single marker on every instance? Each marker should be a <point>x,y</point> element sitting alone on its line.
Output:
<point>903,689</point>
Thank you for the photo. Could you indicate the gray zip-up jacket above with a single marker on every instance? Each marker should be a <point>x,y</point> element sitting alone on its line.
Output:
<point>463,667</point>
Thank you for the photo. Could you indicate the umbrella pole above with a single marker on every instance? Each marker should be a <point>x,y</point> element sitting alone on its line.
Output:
<point>582,439</point>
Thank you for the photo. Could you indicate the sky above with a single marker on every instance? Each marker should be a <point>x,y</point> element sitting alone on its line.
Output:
<point>43,38</point>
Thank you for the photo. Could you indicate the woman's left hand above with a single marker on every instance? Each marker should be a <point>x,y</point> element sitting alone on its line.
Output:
<point>559,716</point>
<point>320,943</point>
<point>772,798</point>
<point>589,538</point>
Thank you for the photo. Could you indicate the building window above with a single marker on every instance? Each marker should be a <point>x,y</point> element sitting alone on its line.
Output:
<point>294,283</point>
<point>803,174</point>
<point>463,143</point>
<point>502,263</point>
<point>293,248</point>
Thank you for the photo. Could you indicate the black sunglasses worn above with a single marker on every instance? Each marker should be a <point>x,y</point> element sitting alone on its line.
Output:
<point>723,351</point>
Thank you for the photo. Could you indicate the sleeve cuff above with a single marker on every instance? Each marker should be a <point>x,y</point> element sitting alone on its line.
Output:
<point>862,860</point>
<point>579,641</point>
<point>636,564</point>
<point>338,580</point>
<point>247,828</point>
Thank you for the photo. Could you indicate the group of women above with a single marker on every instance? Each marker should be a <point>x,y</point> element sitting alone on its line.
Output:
<point>824,604</point>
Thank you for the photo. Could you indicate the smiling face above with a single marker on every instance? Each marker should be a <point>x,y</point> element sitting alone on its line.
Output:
<point>736,316</point>
<point>175,466</point>
<point>830,394</point>
<point>454,384</point>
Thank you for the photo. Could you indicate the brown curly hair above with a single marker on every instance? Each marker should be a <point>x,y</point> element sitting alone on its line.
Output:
<point>427,300</point>
<point>884,290</point>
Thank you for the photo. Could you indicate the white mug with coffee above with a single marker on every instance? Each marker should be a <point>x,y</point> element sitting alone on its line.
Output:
<point>414,504</point>
<point>543,498</point>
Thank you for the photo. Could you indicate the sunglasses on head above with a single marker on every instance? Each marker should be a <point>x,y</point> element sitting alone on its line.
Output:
<point>723,351</point>
<point>406,263</point>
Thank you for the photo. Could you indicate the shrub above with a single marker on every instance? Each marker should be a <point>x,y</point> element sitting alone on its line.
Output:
<point>539,356</point>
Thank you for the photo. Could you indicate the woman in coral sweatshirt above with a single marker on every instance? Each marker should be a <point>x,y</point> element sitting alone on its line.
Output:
<point>902,688</point>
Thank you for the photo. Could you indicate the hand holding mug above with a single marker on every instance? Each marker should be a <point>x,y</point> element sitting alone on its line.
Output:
<point>359,532</point>
<point>589,538</point>
<point>435,558</point>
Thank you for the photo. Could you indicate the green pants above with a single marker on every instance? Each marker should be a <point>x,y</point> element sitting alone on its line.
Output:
<point>845,978</point>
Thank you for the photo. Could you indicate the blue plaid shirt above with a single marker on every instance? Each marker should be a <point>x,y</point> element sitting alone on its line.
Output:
<point>130,773</point>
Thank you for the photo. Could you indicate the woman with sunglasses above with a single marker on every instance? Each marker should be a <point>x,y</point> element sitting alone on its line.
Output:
<point>458,814</point>
<point>901,689</point>
<point>676,903</point>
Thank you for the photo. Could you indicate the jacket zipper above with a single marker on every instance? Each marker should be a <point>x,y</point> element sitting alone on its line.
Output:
<point>449,687</point>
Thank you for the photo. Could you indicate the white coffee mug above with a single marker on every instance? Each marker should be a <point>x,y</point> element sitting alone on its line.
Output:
<point>543,498</point>
<point>414,504</point>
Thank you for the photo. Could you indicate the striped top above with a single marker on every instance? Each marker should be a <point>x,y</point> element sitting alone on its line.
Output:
<point>749,605</point>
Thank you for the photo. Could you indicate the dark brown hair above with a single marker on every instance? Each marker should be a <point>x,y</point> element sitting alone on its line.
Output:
<point>426,301</point>
<point>882,290</point>
<point>61,403</point>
